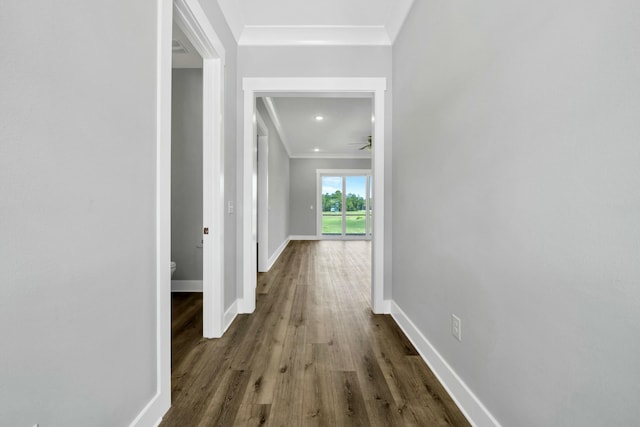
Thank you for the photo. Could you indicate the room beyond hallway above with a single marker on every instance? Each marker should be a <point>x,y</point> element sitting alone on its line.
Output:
<point>311,354</point>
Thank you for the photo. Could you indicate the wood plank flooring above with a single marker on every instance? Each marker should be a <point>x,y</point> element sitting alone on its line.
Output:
<point>312,354</point>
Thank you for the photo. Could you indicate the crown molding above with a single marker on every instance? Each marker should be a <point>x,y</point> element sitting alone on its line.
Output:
<point>314,35</point>
<point>331,156</point>
<point>397,15</point>
<point>273,115</point>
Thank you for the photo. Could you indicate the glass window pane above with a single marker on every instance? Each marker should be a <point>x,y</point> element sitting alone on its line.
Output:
<point>356,204</point>
<point>332,205</point>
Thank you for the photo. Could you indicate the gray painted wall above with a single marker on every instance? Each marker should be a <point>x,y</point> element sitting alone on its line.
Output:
<point>77,212</point>
<point>304,190</point>
<point>186,173</point>
<point>216,18</point>
<point>323,61</point>
<point>278,185</point>
<point>516,137</point>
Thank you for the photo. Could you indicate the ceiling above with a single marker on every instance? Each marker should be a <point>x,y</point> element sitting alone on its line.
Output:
<point>346,125</point>
<point>327,22</point>
<point>347,121</point>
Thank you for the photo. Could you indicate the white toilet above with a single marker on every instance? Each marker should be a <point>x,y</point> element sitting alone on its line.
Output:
<point>173,268</point>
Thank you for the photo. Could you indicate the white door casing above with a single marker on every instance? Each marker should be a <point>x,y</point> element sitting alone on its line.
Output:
<point>253,87</point>
<point>193,21</point>
<point>263,194</point>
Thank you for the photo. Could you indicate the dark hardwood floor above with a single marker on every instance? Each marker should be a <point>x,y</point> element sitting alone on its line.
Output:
<point>312,354</point>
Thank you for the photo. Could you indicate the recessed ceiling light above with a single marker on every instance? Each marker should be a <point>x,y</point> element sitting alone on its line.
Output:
<point>319,118</point>
<point>316,149</point>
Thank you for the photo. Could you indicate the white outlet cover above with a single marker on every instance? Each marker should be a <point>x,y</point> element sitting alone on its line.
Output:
<point>456,327</point>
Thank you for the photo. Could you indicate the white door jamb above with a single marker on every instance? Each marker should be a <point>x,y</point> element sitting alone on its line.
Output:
<point>257,85</point>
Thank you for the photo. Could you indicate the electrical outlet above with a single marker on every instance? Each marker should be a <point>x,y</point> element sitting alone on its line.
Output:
<point>456,327</point>
<point>230,207</point>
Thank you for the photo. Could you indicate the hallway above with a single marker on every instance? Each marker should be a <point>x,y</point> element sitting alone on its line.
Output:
<point>311,354</point>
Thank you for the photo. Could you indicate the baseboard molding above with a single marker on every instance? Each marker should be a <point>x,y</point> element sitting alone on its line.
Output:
<point>151,415</point>
<point>229,316</point>
<point>386,306</point>
<point>273,258</point>
<point>186,286</point>
<point>245,306</point>
<point>477,414</point>
<point>303,237</point>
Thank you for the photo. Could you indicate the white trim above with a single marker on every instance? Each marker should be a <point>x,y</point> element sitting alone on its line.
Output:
<point>315,84</point>
<point>213,198</point>
<point>263,201</point>
<point>397,15</point>
<point>247,244</point>
<point>194,23</point>
<point>303,237</point>
<point>348,172</point>
<point>276,254</point>
<point>252,87</point>
<point>151,414</point>
<point>314,35</point>
<point>472,408</point>
<point>378,237</point>
<point>186,286</point>
<point>159,404</point>
<point>273,115</point>
<point>331,156</point>
<point>230,315</point>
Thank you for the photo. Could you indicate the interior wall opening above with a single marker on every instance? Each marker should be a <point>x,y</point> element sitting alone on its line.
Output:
<point>309,88</point>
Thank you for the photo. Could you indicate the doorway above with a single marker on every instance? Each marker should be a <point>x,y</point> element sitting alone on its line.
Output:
<point>186,166</point>
<point>254,87</point>
<point>192,21</point>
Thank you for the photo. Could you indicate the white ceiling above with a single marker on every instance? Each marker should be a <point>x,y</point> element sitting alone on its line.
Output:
<point>304,22</point>
<point>346,126</point>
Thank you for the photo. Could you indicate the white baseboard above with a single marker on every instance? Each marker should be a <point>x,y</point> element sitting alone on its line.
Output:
<point>245,306</point>
<point>386,306</point>
<point>477,414</point>
<point>303,237</point>
<point>273,258</point>
<point>151,415</point>
<point>229,316</point>
<point>186,286</point>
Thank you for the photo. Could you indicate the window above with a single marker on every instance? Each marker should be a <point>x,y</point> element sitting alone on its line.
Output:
<point>344,202</point>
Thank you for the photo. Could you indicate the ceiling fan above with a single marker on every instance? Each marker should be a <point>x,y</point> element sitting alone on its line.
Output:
<point>367,146</point>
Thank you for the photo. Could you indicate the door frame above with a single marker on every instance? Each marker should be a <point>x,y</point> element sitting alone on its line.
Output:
<point>263,193</point>
<point>195,24</point>
<point>254,86</point>
<point>192,20</point>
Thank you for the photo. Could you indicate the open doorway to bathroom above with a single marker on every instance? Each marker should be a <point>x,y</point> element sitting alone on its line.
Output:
<point>187,242</point>
<point>186,166</point>
<point>195,24</point>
